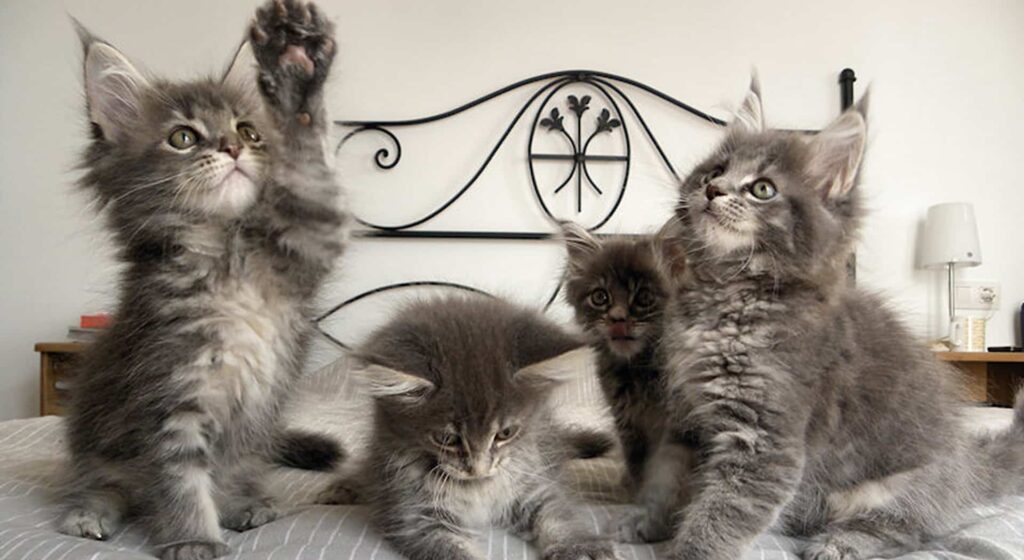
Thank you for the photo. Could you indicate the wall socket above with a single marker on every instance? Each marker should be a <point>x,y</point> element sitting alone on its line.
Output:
<point>983,296</point>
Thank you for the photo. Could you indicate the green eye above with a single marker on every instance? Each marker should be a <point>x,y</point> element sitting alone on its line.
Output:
<point>507,433</point>
<point>248,133</point>
<point>763,189</point>
<point>183,138</point>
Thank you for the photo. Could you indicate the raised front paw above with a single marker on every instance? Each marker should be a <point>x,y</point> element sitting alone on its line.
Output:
<point>589,550</point>
<point>194,550</point>
<point>640,527</point>
<point>294,46</point>
<point>249,517</point>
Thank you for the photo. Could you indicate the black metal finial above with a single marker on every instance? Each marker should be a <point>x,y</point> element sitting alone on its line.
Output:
<point>846,79</point>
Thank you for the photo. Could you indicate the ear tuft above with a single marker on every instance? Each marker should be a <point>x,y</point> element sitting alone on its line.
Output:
<point>113,86</point>
<point>579,242</point>
<point>557,370</point>
<point>241,72</point>
<point>750,115</point>
<point>386,383</point>
<point>837,152</point>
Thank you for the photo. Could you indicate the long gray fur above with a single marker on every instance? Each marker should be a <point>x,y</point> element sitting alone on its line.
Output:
<point>803,403</point>
<point>469,367</point>
<point>175,409</point>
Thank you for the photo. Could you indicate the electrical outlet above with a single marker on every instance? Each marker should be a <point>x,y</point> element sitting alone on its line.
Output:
<point>983,296</point>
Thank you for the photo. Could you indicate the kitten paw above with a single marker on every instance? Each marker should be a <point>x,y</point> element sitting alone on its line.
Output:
<point>827,551</point>
<point>592,550</point>
<point>640,527</point>
<point>293,44</point>
<point>194,550</point>
<point>87,524</point>
<point>249,517</point>
<point>339,493</point>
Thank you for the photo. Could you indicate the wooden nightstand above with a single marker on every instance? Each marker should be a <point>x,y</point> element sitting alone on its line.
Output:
<point>55,359</point>
<point>993,377</point>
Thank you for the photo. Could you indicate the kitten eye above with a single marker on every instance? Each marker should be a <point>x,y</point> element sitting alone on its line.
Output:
<point>183,138</point>
<point>248,133</point>
<point>599,297</point>
<point>712,175</point>
<point>507,433</point>
<point>446,438</point>
<point>644,298</point>
<point>763,189</point>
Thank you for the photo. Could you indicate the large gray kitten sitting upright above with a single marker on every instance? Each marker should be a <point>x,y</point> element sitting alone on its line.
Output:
<point>463,435</point>
<point>806,403</point>
<point>228,219</point>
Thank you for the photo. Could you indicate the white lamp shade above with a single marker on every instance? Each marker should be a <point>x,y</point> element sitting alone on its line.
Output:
<point>950,236</point>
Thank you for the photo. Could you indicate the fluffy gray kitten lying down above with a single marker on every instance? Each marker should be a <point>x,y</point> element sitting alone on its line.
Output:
<point>227,217</point>
<point>463,435</point>
<point>803,403</point>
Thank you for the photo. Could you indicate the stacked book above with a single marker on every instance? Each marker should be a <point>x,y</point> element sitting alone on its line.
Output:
<point>89,327</point>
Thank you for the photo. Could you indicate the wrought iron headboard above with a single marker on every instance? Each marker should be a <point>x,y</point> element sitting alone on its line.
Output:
<point>550,119</point>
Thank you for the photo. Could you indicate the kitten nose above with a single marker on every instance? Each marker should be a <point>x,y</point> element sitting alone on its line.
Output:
<point>230,148</point>
<point>617,313</point>
<point>713,192</point>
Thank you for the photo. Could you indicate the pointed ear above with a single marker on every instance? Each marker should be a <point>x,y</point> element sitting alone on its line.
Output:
<point>837,152</point>
<point>669,249</point>
<point>241,72</point>
<point>555,371</point>
<point>579,242</point>
<point>113,87</point>
<point>386,383</point>
<point>750,115</point>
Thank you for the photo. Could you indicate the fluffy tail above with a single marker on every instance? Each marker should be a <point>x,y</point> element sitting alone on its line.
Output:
<point>307,450</point>
<point>583,443</point>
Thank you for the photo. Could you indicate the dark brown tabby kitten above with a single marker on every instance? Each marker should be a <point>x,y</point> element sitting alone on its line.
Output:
<point>619,288</point>
<point>463,436</point>
<point>228,219</point>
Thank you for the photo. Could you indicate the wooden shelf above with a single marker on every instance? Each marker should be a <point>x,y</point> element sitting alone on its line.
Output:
<point>59,346</point>
<point>988,357</point>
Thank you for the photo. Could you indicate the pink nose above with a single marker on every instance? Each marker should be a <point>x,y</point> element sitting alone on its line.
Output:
<point>230,148</point>
<point>713,192</point>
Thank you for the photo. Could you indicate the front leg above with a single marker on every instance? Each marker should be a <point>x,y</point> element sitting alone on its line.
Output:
<point>242,498</point>
<point>747,470</point>
<point>561,531</point>
<point>422,532</point>
<point>662,494</point>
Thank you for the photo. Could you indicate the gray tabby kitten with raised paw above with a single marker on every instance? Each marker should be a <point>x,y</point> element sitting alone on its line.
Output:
<point>809,406</point>
<point>619,288</point>
<point>463,436</point>
<point>228,219</point>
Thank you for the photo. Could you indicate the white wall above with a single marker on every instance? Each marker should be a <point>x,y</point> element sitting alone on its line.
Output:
<point>945,122</point>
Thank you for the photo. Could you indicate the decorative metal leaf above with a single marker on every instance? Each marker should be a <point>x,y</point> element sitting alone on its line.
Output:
<point>579,106</point>
<point>554,121</point>
<point>605,123</point>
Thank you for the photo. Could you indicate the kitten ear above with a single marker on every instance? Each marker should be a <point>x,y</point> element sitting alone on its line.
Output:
<point>837,152</point>
<point>750,115</point>
<point>578,242</point>
<point>241,72</point>
<point>555,371</point>
<point>669,249</point>
<point>386,383</point>
<point>113,87</point>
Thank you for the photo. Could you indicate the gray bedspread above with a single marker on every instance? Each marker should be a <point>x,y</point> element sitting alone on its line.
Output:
<point>31,457</point>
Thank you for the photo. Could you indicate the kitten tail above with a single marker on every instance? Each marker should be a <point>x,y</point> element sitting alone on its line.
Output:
<point>299,449</point>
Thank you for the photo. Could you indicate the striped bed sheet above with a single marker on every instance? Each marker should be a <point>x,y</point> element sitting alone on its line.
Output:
<point>32,456</point>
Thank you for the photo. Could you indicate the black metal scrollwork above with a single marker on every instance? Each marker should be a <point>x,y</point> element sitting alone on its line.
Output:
<point>608,88</point>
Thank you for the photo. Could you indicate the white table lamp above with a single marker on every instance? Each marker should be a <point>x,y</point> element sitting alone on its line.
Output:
<point>951,241</point>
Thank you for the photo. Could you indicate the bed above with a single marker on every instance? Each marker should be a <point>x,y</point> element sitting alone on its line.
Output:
<point>579,147</point>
